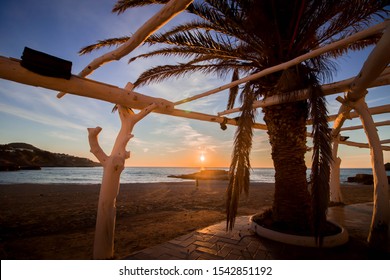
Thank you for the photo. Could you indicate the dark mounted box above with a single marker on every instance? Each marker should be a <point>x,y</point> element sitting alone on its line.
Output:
<point>45,64</point>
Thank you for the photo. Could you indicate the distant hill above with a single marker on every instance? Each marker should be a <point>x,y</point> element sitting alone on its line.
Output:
<point>15,156</point>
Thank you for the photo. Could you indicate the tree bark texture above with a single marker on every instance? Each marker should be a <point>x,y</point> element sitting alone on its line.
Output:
<point>287,135</point>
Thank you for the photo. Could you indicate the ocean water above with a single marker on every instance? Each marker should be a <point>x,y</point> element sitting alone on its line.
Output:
<point>93,175</point>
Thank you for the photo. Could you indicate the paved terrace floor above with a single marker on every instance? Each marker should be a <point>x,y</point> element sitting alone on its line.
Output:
<point>214,243</point>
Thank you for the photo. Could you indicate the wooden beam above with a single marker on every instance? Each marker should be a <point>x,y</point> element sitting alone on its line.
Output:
<point>373,111</point>
<point>365,145</point>
<point>10,69</point>
<point>328,89</point>
<point>361,127</point>
<point>170,10</point>
<point>374,65</point>
<point>360,35</point>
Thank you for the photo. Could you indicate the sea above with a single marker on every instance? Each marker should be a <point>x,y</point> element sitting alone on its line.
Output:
<point>93,175</point>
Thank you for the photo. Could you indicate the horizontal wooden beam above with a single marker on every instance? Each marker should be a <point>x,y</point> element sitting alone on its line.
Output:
<point>10,69</point>
<point>373,111</point>
<point>365,145</point>
<point>328,89</point>
<point>361,127</point>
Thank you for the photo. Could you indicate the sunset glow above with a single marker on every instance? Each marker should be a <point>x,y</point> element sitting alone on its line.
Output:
<point>34,115</point>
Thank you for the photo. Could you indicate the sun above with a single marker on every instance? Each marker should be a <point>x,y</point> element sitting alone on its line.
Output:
<point>202,158</point>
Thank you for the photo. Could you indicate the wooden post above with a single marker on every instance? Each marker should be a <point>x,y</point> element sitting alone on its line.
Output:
<point>378,235</point>
<point>334,183</point>
<point>113,166</point>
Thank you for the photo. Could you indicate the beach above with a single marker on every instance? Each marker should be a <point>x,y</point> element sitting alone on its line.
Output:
<point>57,221</point>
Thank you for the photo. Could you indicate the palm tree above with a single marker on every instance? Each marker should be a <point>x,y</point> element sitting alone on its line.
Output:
<point>241,37</point>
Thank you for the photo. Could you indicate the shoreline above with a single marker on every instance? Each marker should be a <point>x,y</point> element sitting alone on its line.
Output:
<point>46,221</point>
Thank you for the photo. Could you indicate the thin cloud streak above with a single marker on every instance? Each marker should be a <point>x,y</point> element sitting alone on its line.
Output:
<point>38,117</point>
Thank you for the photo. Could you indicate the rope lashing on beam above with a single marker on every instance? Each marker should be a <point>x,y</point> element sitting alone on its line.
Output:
<point>223,123</point>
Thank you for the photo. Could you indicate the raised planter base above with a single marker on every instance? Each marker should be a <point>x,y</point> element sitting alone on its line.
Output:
<point>305,241</point>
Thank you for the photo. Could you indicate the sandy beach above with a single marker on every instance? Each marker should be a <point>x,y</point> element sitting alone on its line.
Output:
<point>57,221</point>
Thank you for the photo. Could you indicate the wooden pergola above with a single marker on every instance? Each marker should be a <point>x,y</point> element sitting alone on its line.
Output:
<point>375,72</point>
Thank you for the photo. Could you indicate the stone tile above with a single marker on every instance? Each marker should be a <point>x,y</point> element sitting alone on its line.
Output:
<point>194,255</point>
<point>184,243</point>
<point>206,244</point>
<point>214,242</point>
<point>224,251</point>
<point>206,250</point>
<point>227,240</point>
<point>261,255</point>
<point>253,247</point>
<point>232,256</point>
<point>139,256</point>
<point>167,257</point>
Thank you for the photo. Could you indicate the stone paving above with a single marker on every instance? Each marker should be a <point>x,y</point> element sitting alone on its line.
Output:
<point>215,243</point>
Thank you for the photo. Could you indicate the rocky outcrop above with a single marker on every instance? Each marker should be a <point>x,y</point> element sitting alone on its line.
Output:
<point>204,175</point>
<point>366,179</point>
<point>22,156</point>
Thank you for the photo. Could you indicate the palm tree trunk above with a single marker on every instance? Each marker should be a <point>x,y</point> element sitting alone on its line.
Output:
<point>287,134</point>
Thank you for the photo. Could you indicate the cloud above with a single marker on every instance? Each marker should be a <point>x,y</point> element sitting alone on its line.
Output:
<point>61,135</point>
<point>38,117</point>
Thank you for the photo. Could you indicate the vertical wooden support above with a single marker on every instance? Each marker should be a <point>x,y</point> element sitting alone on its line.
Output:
<point>378,235</point>
<point>335,191</point>
<point>113,166</point>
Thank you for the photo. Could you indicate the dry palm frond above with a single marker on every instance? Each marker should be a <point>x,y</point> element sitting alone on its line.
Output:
<point>123,5</point>
<point>240,165</point>
<point>104,43</point>
<point>321,159</point>
<point>161,73</point>
<point>233,91</point>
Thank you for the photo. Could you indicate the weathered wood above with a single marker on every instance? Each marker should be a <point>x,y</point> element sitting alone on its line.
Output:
<point>365,145</point>
<point>373,111</point>
<point>328,89</point>
<point>376,62</point>
<point>113,166</point>
<point>170,10</point>
<point>377,124</point>
<point>10,69</point>
<point>378,235</point>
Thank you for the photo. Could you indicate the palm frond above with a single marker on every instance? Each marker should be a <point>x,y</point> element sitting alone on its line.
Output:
<point>233,91</point>
<point>321,159</point>
<point>161,73</point>
<point>122,5</point>
<point>355,46</point>
<point>191,26</point>
<point>198,54</point>
<point>104,43</point>
<point>240,165</point>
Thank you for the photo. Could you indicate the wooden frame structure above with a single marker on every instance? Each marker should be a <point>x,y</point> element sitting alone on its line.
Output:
<point>374,73</point>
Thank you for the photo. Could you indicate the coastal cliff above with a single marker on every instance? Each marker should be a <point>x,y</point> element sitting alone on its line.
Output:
<point>18,156</point>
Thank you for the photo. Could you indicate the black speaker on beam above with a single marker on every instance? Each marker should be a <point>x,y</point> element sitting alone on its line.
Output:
<point>45,64</point>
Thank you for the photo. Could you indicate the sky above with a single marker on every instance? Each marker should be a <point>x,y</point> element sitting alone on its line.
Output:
<point>62,27</point>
